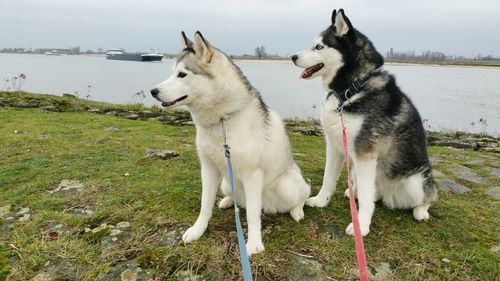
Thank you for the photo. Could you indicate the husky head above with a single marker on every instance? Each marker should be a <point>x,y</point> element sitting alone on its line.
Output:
<point>192,80</point>
<point>340,54</point>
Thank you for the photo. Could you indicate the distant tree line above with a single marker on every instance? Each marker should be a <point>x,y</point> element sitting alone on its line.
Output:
<point>68,51</point>
<point>433,56</point>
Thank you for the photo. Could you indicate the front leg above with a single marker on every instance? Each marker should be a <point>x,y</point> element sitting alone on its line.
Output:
<point>210,179</point>
<point>253,185</point>
<point>333,167</point>
<point>366,168</point>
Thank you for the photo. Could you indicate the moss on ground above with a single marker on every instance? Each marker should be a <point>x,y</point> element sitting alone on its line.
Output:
<point>122,184</point>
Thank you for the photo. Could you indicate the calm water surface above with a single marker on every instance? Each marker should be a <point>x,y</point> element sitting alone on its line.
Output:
<point>448,97</point>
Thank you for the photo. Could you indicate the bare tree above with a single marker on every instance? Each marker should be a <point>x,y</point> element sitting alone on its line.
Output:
<point>260,52</point>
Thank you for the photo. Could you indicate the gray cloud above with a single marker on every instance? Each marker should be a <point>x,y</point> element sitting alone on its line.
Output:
<point>454,26</point>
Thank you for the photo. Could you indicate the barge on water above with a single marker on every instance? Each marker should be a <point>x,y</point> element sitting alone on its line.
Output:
<point>120,54</point>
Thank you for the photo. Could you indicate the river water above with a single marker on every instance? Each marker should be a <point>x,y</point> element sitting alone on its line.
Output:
<point>448,97</point>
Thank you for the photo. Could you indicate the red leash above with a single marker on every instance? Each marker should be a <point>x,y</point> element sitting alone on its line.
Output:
<point>358,239</point>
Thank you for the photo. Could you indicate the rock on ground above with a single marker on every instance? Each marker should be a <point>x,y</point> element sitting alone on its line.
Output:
<point>467,174</point>
<point>494,172</point>
<point>57,269</point>
<point>437,174</point>
<point>128,271</point>
<point>306,269</point>
<point>9,214</point>
<point>451,186</point>
<point>172,236</point>
<point>380,272</point>
<point>67,188</point>
<point>494,192</point>
<point>162,154</point>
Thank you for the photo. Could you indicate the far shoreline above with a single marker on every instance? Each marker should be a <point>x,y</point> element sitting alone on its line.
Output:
<point>489,64</point>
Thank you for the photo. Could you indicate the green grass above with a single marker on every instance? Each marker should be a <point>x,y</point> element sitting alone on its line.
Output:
<point>159,195</point>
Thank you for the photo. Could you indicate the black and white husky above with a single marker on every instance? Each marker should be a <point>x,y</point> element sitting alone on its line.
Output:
<point>266,177</point>
<point>387,143</point>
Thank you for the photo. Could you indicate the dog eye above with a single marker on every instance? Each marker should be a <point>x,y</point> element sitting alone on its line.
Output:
<point>318,47</point>
<point>181,75</point>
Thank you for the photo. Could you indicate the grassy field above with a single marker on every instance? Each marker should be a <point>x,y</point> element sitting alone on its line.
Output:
<point>159,198</point>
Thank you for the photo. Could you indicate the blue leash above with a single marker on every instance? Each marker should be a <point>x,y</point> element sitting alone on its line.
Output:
<point>245,263</point>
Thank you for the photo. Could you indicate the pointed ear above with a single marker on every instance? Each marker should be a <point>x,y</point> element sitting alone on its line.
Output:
<point>186,43</point>
<point>334,13</point>
<point>202,48</point>
<point>342,23</point>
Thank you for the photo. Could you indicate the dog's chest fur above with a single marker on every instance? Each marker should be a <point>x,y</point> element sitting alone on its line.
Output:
<point>331,123</point>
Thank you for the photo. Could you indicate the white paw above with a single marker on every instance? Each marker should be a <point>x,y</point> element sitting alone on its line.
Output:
<point>193,233</point>
<point>317,201</point>
<point>297,213</point>
<point>420,213</point>
<point>365,229</point>
<point>226,202</point>
<point>254,247</point>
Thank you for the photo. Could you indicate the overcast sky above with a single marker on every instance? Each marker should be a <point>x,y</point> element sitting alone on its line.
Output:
<point>462,27</point>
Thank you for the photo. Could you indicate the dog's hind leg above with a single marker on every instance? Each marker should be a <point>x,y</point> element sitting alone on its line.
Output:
<point>333,167</point>
<point>293,191</point>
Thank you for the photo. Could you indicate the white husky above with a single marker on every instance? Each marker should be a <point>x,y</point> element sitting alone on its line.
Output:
<point>266,177</point>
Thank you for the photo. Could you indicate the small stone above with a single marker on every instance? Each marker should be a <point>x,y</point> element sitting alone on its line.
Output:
<point>171,237</point>
<point>114,239</point>
<point>127,174</point>
<point>4,210</point>
<point>132,116</point>
<point>25,217</point>
<point>111,113</point>
<point>495,249</point>
<point>99,228</point>
<point>123,149</point>
<point>49,108</point>
<point>380,272</point>
<point>23,211</point>
<point>111,129</point>
<point>67,187</point>
<point>47,264</point>
<point>86,229</point>
<point>494,192</point>
<point>66,95</point>
<point>305,269</point>
<point>436,159</point>
<point>494,172</point>
<point>43,276</point>
<point>437,174</point>
<point>477,161</point>
<point>94,110</point>
<point>451,186</point>
<point>162,154</point>
<point>123,224</point>
<point>115,232</point>
<point>128,275</point>
<point>467,174</point>
<point>445,260</point>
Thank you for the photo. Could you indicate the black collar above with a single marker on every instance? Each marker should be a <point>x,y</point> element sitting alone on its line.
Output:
<point>346,94</point>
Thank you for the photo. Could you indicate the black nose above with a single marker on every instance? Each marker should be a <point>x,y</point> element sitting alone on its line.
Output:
<point>155,92</point>
<point>295,58</point>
